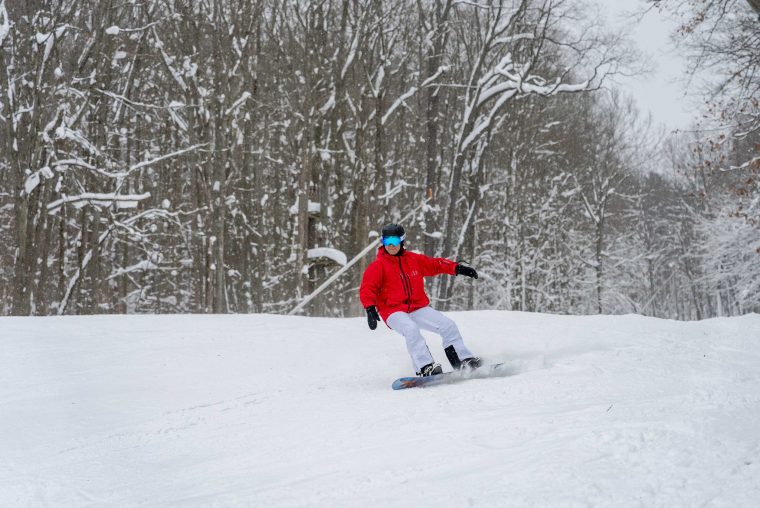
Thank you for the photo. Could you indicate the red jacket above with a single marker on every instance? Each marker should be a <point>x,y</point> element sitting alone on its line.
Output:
<point>395,283</point>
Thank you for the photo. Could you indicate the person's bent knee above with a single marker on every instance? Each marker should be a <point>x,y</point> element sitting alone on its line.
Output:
<point>409,330</point>
<point>449,326</point>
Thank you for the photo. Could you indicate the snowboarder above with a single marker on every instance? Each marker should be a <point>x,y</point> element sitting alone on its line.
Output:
<point>393,289</point>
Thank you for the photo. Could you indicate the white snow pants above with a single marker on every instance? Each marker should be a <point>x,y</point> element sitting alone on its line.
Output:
<point>427,318</point>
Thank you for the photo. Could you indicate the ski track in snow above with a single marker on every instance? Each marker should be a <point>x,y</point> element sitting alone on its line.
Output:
<point>264,410</point>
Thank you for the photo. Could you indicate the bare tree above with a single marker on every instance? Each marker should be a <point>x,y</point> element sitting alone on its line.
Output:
<point>506,63</point>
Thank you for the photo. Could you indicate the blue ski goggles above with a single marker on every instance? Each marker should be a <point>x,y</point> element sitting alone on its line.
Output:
<point>392,240</point>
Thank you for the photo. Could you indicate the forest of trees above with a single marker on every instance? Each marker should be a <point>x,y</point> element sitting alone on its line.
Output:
<point>230,156</point>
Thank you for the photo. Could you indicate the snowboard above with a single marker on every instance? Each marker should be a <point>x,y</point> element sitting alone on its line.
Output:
<point>484,371</point>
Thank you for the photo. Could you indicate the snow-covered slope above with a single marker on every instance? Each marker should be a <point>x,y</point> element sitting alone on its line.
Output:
<point>284,411</point>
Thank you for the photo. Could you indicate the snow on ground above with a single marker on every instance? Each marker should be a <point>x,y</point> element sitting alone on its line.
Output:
<point>277,411</point>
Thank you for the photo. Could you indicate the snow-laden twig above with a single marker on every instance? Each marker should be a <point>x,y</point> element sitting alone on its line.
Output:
<point>5,23</point>
<point>412,90</point>
<point>33,180</point>
<point>128,101</point>
<point>352,50</point>
<point>116,30</point>
<point>235,105</point>
<point>80,163</point>
<point>514,38</point>
<point>429,81</point>
<point>589,209</point>
<point>48,39</point>
<point>168,62</point>
<point>463,231</point>
<point>119,175</point>
<point>82,267</point>
<point>755,160</point>
<point>150,162</point>
<point>557,88</point>
<point>398,103</point>
<point>64,132</point>
<point>486,122</point>
<point>395,190</point>
<point>98,199</point>
<point>329,104</point>
<point>142,266</point>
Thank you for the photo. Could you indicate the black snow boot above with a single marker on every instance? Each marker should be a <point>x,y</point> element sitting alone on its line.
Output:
<point>453,357</point>
<point>430,369</point>
<point>457,364</point>
<point>471,363</point>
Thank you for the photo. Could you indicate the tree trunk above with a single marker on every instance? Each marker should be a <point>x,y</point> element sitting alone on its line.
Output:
<point>433,60</point>
<point>304,179</point>
<point>599,266</point>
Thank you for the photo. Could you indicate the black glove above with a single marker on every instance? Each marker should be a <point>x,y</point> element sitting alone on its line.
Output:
<point>372,317</point>
<point>467,271</point>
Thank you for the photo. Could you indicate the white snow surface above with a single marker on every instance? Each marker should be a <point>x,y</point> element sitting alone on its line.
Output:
<point>275,411</point>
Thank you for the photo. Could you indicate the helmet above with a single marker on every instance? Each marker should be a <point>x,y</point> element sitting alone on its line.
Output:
<point>394,230</point>
<point>393,234</point>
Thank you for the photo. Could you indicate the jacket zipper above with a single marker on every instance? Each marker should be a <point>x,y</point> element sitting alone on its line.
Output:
<point>407,286</point>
